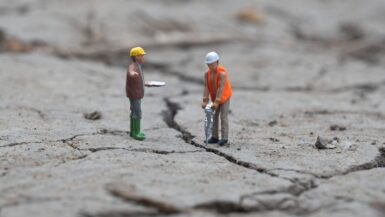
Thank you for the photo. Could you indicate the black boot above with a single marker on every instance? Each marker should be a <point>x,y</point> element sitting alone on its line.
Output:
<point>223,142</point>
<point>212,140</point>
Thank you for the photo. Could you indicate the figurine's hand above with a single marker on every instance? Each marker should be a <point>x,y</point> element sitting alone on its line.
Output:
<point>134,74</point>
<point>204,104</point>
<point>215,105</point>
<point>205,101</point>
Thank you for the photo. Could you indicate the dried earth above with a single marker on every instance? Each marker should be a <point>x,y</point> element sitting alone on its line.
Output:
<point>299,70</point>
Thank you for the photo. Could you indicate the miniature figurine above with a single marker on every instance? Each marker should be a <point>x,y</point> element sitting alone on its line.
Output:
<point>135,91</point>
<point>217,84</point>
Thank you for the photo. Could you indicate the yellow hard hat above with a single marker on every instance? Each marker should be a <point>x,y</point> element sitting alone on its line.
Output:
<point>136,51</point>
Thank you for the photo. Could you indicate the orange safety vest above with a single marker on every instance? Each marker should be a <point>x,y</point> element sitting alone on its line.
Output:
<point>226,93</point>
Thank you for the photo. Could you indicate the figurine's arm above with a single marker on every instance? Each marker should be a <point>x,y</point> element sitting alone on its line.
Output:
<point>205,91</point>
<point>222,81</point>
<point>127,88</point>
<point>132,71</point>
<point>205,87</point>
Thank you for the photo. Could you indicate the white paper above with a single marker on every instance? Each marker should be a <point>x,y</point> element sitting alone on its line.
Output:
<point>157,83</point>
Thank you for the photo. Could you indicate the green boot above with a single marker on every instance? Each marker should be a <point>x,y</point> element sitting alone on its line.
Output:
<point>140,132</point>
<point>137,134</point>
<point>131,127</point>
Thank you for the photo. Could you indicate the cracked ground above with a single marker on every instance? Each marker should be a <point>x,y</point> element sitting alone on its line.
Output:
<point>299,70</point>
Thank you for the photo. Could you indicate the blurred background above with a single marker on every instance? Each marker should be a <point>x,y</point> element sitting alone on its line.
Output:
<point>271,44</point>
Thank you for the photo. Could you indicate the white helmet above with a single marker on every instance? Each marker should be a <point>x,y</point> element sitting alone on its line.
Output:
<point>211,57</point>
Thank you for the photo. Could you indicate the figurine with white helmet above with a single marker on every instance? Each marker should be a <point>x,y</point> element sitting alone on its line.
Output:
<point>217,88</point>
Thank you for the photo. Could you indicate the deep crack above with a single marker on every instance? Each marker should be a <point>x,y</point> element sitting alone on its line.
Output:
<point>169,118</point>
<point>296,189</point>
<point>379,161</point>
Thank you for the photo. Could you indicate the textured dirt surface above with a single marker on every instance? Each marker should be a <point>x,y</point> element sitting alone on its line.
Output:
<point>299,70</point>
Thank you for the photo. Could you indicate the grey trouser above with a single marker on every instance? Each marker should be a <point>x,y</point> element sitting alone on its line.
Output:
<point>223,111</point>
<point>135,107</point>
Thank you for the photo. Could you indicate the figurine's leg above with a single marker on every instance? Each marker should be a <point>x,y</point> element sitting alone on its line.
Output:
<point>131,127</point>
<point>132,111</point>
<point>136,111</point>
<point>141,134</point>
<point>224,120</point>
<point>136,114</point>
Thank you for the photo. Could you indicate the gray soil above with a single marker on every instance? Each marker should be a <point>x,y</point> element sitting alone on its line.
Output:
<point>300,70</point>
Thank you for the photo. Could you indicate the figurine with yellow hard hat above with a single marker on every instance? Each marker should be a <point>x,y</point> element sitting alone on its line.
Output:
<point>135,90</point>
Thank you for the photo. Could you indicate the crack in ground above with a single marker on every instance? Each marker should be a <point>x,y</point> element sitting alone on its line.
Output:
<point>45,141</point>
<point>121,133</point>
<point>297,189</point>
<point>286,204</point>
<point>66,140</point>
<point>144,150</point>
<point>169,118</point>
<point>377,162</point>
<point>69,142</point>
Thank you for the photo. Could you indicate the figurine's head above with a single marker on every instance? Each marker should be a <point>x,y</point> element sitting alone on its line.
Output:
<point>137,54</point>
<point>138,59</point>
<point>213,66</point>
<point>212,60</point>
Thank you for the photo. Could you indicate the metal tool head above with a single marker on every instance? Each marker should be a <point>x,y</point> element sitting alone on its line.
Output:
<point>208,121</point>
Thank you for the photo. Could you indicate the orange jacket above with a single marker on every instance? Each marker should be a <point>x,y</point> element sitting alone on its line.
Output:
<point>226,93</point>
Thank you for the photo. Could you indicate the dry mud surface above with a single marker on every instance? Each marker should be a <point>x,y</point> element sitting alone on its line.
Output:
<point>299,69</point>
